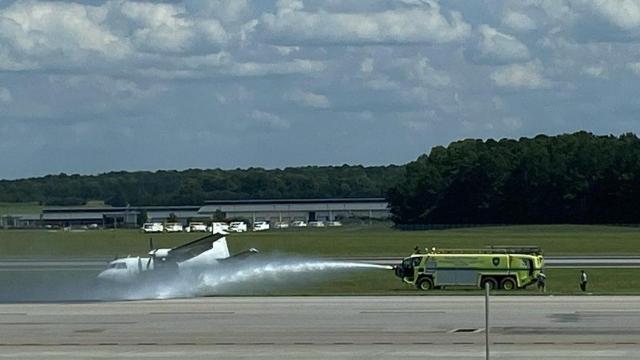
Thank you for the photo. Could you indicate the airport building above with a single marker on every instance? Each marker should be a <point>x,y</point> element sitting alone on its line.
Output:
<point>280,210</point>
<point>288,210</point>
<point>112,217</point>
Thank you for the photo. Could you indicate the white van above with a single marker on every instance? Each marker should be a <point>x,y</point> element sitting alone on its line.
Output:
<point>152,227</point>
<point>173,227</point>
<point>237,226</point>
<point>260,226</point>
<point>219,227</point>
<point>197,227</point>
<point>298,223</point>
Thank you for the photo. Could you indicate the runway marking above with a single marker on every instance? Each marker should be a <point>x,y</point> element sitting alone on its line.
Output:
<point>69,323</point>
<point>303,343</point>
<point>584,343</point>
<point>192,313</point>
<point>343,343</point>
<point>401,312</point>
<point>89,331</point>
<point>147,343</point>
<point>465,331</point>
<point>13,314</point>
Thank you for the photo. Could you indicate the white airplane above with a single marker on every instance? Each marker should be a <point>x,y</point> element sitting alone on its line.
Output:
<point>192,258</point>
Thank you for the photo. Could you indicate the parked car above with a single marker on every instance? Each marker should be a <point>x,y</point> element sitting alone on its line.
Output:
<point>298,223</point>
<point>173,227</point>
<point>261,226</point>
<point>281,225</point>
<point>334,223</point>
<point>152,227</point>
<point>218,227</point>
<point>316,224</point>
<point>237,226</point>
<point>197,227</point>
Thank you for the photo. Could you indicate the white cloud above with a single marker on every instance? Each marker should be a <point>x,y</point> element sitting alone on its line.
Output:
<point>42,35</point>
<point>512,123</point>
<point>214,66</point>
<point>291,25</point>
<point>595,71</point>
<point>421,70</point>
<point>367,65</point>
<point>224,10</point>
<point>272,121</point>
<point>307,98</point>
<point>297,66</point>
<point>624,14</point>
<point>494,47</point>
<point>35,33</point>
<point>203,61</point>
<point>528,76</point>
<point>167,28</point>
<point>634,67</point>
<point>289,5</point>
<point>518,21</point>
<point>286,50</point>
<point>5,96</point>
<point>381,82</point>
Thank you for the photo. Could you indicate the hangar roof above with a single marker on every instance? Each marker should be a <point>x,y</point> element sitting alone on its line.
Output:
<point>296,201</point>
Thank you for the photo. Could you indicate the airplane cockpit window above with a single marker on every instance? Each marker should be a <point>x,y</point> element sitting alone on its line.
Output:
<point>118,265</point>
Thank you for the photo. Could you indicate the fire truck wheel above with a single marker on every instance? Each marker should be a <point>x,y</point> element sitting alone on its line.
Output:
<point>508,284</point>
<point>493,284</point>
<point>424,283</point>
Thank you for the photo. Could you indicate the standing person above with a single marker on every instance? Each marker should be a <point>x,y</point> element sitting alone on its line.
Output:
<point>416,250</point>
<point>541,281</point>
<point>583,280</point>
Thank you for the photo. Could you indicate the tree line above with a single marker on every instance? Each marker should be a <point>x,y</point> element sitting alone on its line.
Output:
<point>194,186</point>
<point>571,178</point>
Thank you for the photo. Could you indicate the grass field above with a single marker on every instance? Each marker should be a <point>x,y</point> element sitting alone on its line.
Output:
<point>355,240</point>
<point>380,282</point>
<point>77,285</point>
<point>20,208</point>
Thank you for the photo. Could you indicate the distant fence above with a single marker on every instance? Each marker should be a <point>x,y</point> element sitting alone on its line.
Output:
<point>417,227</point>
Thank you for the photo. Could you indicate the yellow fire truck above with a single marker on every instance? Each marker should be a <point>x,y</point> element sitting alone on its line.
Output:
<point>506,268</point>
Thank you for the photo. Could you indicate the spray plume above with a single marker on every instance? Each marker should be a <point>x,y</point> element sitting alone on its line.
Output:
<point>249,276</point>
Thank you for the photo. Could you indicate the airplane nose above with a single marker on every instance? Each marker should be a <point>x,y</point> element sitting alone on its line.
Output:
<point>105,275</point>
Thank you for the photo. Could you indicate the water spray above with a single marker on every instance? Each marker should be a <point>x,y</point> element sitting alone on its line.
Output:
<point>246,275</point>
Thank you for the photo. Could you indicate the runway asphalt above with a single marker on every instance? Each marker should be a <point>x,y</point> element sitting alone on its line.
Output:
<point>395,327</point>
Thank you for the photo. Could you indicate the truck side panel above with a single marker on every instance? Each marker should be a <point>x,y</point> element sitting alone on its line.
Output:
<point>456,277</point>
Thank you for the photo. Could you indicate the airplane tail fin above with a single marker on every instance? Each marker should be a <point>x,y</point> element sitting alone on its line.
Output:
<point>220,249</point>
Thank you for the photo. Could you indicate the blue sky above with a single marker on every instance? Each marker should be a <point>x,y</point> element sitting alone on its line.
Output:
<point>95,86</point>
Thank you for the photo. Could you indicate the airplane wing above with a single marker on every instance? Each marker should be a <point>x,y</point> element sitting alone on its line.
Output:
<point>242,254</point>
<point>217,242</point>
